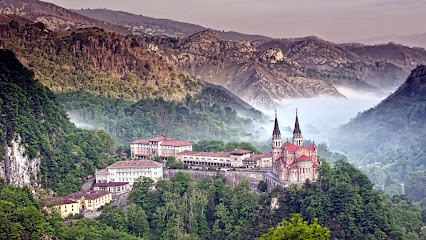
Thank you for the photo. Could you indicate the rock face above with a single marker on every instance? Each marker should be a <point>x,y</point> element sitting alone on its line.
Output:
<point>16,168</point>
<point>381,66</point>
<point>259,77</point>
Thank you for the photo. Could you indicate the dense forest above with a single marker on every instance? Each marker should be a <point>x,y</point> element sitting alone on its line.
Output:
<point>193,120</point>
<point>343,200</point>
<point>22,217</point>
<point>31,112</point>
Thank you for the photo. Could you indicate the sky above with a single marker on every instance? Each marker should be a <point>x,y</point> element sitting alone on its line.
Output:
<point>334,20</point>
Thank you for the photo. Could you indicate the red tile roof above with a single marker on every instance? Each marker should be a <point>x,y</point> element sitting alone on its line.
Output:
<point>90,195</point>
<point>56,201</point>
<point>136,164</point>
<point>110,184</point>
<point>205,154</point>
<point>240,152</point>
<point>140,141</point>
<point>293,148</point>
<point>265,155</point>
<point>159,139</point>
<point>102,171</point>
<point>176,143</point>
<point>304,158</point>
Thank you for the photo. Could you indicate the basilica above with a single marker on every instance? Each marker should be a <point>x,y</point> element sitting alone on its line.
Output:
<point>292,162</point>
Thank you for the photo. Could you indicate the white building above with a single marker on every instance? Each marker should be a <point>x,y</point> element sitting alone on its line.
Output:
<point>129,171</point>
<point>162,147</point>
<point>236,158</point>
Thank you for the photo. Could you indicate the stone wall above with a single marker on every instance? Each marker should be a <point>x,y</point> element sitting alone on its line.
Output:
<point>233,178</point>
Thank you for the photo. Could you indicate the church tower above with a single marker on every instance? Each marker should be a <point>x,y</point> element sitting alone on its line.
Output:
<point>297,133</point>
<point>276,139</point>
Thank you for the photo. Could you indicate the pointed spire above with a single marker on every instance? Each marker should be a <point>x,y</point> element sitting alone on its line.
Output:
<point>276,133</point>
<point>296,126</point>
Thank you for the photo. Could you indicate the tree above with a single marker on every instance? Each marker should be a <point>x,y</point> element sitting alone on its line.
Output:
<point>137,223</point>
<point>114,217</point>
<point>262,186</point>
<point>296,229</point>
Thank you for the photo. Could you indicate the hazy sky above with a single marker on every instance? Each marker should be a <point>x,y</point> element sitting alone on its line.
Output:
<point>335,20</point>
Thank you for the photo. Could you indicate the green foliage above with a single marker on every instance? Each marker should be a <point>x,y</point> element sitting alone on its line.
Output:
<point>32,116</point>
<point>172,163</point>
<point>114,217</point>
<point>137,220</point>
<point>21,217</point>
<point>415,185</point>
<point>262,186</point>
<point>186,209</point>
<point>220,146</point>
<point>102,63</point>
<point>127,121</point>
<point>297,229</point>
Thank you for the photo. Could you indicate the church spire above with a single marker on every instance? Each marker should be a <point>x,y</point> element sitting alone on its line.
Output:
<point>297,133</point>
<point>276,133</point>
<point>296,126</point>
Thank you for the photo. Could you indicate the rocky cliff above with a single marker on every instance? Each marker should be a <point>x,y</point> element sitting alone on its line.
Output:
<point>260,77</point>
<point>16,167</point>
<point>354,65</point>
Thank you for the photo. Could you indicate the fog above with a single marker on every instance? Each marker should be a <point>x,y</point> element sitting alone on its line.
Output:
<point>75,118</point>
<point>320,117</point>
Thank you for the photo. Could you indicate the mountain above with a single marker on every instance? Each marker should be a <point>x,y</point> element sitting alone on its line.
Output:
<point>258,77</point>
<point>412,40</point>
<point>54,17</point>
<point>356,65</point>
<point>39,145</point>
<point>108,81</point>
<point>96,61</point>
<point>392,133</point>
<point>154,26</point>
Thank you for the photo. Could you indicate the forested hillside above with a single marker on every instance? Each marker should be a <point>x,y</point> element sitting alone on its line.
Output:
<point>394,134</point>
<point>32,117</point>
<point>343,201</point>
<point>23,217</point>
<point>193,120</point>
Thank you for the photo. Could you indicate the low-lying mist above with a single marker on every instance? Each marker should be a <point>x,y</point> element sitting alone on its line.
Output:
<point>319,117</point>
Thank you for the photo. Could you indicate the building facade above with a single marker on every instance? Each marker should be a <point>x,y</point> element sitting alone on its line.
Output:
<point>237,158</point>
<point>64,206</point>
<point>162,147</point>
<point>112,187</point>
<point>292,162</point>
<point>90,200</point>
<point>75,203</point>
<point>129,171</point>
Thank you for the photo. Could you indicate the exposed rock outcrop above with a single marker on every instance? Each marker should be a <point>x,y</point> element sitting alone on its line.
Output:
<point>16,168</point>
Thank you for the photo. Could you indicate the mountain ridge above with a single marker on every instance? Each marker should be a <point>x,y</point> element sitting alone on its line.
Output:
<point>155,26</point>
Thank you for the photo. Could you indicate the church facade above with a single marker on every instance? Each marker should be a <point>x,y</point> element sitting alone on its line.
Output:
<point>292,162</point>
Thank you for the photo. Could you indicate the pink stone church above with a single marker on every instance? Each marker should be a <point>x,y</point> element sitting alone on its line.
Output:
<point>292,162</point>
